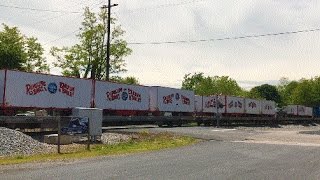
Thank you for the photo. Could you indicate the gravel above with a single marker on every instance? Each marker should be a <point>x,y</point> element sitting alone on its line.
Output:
<point>17,143</point>
<point>115,138</point>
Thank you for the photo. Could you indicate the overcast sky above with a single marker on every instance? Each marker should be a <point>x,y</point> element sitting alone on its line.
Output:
<point>250,61</point>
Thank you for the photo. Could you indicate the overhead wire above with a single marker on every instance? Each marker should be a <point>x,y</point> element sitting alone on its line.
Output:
<point>73,32</point>
<point>164,6</point>
<point>38,9</point>
<point>226,38</point>
<point>48,18</point>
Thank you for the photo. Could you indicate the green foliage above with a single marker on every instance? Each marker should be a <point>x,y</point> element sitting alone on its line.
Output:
<point>211,85</point>
<point>126,80</point>
<point>20,52</point>
<point>35,62</point>
<point>12,54</point>
<point>286,89</point>
<point>265,91</point>
<point>304,92</point>
<point>88,57</point>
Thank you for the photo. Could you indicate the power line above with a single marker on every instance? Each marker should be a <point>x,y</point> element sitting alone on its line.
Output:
<point>37,9</point>
<point>77,12</point>
<point>226,38</point>
<point>71,33</point>
<point>165,6</point>
<point>66,35</point>
<point>49,17</point>
<point>55,17</point>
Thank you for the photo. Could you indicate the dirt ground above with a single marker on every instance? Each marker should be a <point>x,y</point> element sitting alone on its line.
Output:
<point>308,135</point>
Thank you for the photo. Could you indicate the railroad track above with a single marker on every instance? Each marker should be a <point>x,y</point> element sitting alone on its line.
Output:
<point>50,123</point>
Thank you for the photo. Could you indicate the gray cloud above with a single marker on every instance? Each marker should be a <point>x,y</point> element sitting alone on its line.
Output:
<point>255,60</point>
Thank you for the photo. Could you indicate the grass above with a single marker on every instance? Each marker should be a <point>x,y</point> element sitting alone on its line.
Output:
<point>143,142</point>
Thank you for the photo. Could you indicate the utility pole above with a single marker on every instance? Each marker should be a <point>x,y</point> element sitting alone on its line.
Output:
<point>108,38</point>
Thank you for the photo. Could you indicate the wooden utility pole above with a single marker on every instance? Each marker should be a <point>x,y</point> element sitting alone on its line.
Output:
<point>108,38</point>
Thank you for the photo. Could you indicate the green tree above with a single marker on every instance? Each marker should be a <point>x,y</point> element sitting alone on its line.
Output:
<point>12,55</point>
<point>211,85</point>
<point>20,52</point>
<point>265,91</point>
<point>316,91</point>
<point>126,80</point>
<point>303,93</point>
<point>35,62</point>
<point>88,57</point>
<point>194,83</point>
<point>286,89</point>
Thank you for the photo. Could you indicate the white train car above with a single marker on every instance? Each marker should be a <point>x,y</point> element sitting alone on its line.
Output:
<point>252,106</point>
<point>198,101</point>
<point>32,90</point>
<point>309,111</point>
<point>121,97</point>
<point>208,104</point>
<point>163,99</point>
<point>234,105</point>
<point>268,107</point>
<point>298,110</point>
<point>291,110</point>
<point>301,110</point>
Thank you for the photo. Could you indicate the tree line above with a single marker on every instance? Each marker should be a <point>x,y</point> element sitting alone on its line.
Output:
<point>303,92</point>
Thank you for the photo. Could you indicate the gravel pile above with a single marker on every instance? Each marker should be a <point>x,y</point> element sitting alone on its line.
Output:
<point>115,138</point>
<point>17,143</point>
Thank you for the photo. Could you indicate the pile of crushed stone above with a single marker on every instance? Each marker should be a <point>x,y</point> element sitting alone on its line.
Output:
<point>17,143</point>
<point>115,138</point>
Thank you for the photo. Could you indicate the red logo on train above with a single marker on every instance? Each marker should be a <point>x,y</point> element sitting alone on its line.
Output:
<point>41,86</point>
<point>235,104</point>
<point>210,103</point>
<point>66,89</point>
<point>34,89</point>
<point>252,105</point>
<point>124,94</point>
<point>169,99</point>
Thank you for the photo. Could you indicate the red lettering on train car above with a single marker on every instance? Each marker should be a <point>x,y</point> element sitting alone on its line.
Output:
<point>236,104</point>
<point>33,89</point>
<point>168,99</point>
<point>134,96</point>
<point>252,105</point>
<point>114,94</point>
<point>66,89</point>
<point>185,100</point>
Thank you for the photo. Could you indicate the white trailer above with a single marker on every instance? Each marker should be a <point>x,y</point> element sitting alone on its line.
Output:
<point>208,104</point>
<point>163,99</point>
<point>309,112</point>
<point>198,101</point>
<point>173,104</point>
<point>291,110</point>
<point>116,96</point>
<point>33,90</point>
<point>252,106</point>
<point>268,107</point>
<point>234,105</point>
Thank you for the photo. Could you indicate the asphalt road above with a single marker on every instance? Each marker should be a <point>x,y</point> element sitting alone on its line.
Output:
<point>206,133</point>
<point>206,160</point>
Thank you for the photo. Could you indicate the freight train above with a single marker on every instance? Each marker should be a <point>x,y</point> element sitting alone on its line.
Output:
<point>22,91</point>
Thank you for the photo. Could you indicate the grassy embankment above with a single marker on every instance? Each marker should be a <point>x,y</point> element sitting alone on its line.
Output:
<point>143,142</point>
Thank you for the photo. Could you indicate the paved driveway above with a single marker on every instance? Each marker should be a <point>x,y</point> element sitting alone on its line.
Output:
<point>207,160</point>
